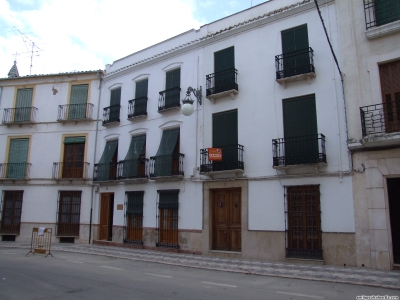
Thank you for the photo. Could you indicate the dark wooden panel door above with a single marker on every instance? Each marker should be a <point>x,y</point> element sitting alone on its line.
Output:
<point>73,160</point>
<point>394,213</point>
<point>104,216</point>
<point>227,225</point>
<point>11,217</point>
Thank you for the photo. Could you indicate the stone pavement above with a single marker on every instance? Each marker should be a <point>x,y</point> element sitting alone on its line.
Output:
<point>349,275</point>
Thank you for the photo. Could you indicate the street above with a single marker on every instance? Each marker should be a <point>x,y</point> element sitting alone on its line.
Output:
<point>81,276</point>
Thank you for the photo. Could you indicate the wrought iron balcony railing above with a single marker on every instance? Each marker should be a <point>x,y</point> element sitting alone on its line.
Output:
<point>19,115</point>
<point>380,118</point>
<point>299,150</point>
<point>105,172</point>
<point>111,114</point>
<point>222,81</point>
<point>232,159</point>
<point>381,12</point>
<point>130,169</point>
<point>15,170</point>
<point>167,165</point>
<point>70,170</point>
<point>169,99</point>
<point>294,63</point>
<point>137,107</point>
<point>74,112</point>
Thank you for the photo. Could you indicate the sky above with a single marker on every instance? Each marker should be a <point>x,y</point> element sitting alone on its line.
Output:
<point>82,35</point>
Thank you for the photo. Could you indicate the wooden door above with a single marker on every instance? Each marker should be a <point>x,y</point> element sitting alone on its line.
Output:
<point>11,217</point>
<point>104,216</point>
<point>169,227</point>
<point>227,224</point>
<point>394,212</point>
<point>73,160</point>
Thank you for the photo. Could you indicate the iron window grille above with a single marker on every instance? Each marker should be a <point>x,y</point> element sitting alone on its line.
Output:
<point>380,118</point>
<point>68,213</point>
<point>142,165</point>
<point>74,112</point>
<point>167,218</point>
<point>381,12</point>
<point>222,81</point>
<point>19,115</point>
<point>70,170</point>
<point>176,168</point>
<point>169,99</point>
<point>232,159</point>
<point>15,170</point>
<point>133,230</point>
<point>105,171</point>
<point>10,212</point>
<point>303,237</point>
<point>111,114</point>
<point>137,107</point>
<point>294,63</point>
<point>307,149</point>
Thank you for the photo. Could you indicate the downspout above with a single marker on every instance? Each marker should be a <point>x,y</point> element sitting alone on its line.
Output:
<point>1,92</point>
<point>99,75</point>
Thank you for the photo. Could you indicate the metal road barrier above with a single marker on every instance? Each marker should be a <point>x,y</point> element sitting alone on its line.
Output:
<point>41,241</point>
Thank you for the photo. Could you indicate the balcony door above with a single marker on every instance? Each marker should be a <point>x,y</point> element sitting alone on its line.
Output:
<point>172,84</point>
<point>23,105</point>
<point>17,158</point>
<point>393,185</point>
<point>78,100</point>
<point>11,215</point>
<point>224,65</point>
<point>106,216</point>
<point>300,130</point>
<point>295,39</point>
<point>74,150</point>
<point>390,86</point>
<point>225,136</point>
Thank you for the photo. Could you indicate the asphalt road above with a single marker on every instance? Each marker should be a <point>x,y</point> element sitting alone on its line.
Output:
<point>80,276</point>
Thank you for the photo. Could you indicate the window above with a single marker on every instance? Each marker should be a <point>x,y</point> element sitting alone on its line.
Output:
<point>106,169</point>
<point>386,11</point>
<point>68,215</point>
<point>168,160</point>
<point>111,113</point>
<point>134,164</point>
<point>74,151</point>
<point>134,217</point>
<point>17,166</point>
<point>170,98</point>
<point>23,105</point>
<point>138,106</point>
<point>304,222</point>
<point>11,212</point>
<point>78,101</point>
<point>168,218</point>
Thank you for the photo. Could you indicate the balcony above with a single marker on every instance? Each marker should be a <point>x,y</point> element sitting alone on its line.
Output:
<point>381,124</point>
<point>299,151</point>
<point>167,167</point>
<point>111,115</point>
<point>137,108</point>
<point>296,65</point>
<point>70,170</point>
<point>20,115</point>
<point>222,84</point>
<point>169,99</point>
<point>105,172</point>
<point>231,163</point>
<point>75,112</point>
<point>15,171</point>
<point>381,17</point>
<point>135,170</point>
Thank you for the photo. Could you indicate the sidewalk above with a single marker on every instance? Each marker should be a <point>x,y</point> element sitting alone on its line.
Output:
<point>359,276</point>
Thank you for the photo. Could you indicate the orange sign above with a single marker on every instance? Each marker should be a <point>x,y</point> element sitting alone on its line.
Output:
<point>214,154</point>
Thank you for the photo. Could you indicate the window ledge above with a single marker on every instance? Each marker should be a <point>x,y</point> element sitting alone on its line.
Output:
<point>178,106</point>
<point>110,123</point>
<point>224,174</point>
<point>134,117</point>
<point>304,76</point>
<point>383,30</point>
<point>133,180</point>
<point>381,140</point>
<point>232,93</point>
<point>74,120</point>
<point>168,178</point>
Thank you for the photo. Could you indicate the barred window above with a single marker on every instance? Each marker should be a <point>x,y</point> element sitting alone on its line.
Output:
<point>68,215</point>
<point>168,218</point>
<point>134,217</point>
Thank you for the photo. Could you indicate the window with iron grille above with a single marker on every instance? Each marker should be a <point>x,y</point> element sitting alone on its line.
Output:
<point>303,222</point>
<point>134,217</point>
<point>11,212</point>
<point>168,218</point>
<point>68,214</point>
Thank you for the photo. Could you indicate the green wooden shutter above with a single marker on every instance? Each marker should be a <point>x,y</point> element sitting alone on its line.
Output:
<point>292,40</point>
<point>78,100</point>
<point>135,203</point>
<point>173,80</point>
<point>115,101</point>
<point>23,105</point>
<point>224,59</point>
<point>163,163</point>
<point>141,88</point>
<point>136,148</point>
<point>386,11</point>
<point>103,166</point>
<point>300,121</point>
<point>17,158</point>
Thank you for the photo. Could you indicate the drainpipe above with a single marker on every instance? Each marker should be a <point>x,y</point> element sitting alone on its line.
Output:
<point>100,76</point>
<point>1,92</point>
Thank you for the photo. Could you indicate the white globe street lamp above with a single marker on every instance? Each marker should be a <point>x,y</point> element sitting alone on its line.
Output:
<point>187,107</point>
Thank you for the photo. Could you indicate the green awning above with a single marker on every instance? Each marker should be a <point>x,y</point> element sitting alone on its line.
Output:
<point>136,148</point>
<point>163,159</point>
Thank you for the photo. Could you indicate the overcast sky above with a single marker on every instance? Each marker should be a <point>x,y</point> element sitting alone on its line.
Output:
<point>80,35</point>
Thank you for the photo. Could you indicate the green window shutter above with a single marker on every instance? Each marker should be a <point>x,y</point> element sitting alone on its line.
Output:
<point>169,199</point>
<point>23,105</point>
<point>386,11</point>
<point>225,128</point>
<point>75,140</point>
<point>141,88</point>
<point>224,59</point>
<point>135,203</point>
<point>78,100</point>
<point>136,148</point>
<point>292,40</point>
<point>300,120</point>
<point>173,79</point>
<point>115,98</point>
<point>163,163</point>
<point>103,167</point>
<point>17,158</point>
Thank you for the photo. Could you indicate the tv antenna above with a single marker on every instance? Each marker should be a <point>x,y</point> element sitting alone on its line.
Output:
<point>33,51</point>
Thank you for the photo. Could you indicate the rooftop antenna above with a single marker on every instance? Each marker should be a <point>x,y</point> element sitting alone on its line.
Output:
<point>31,51</point>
